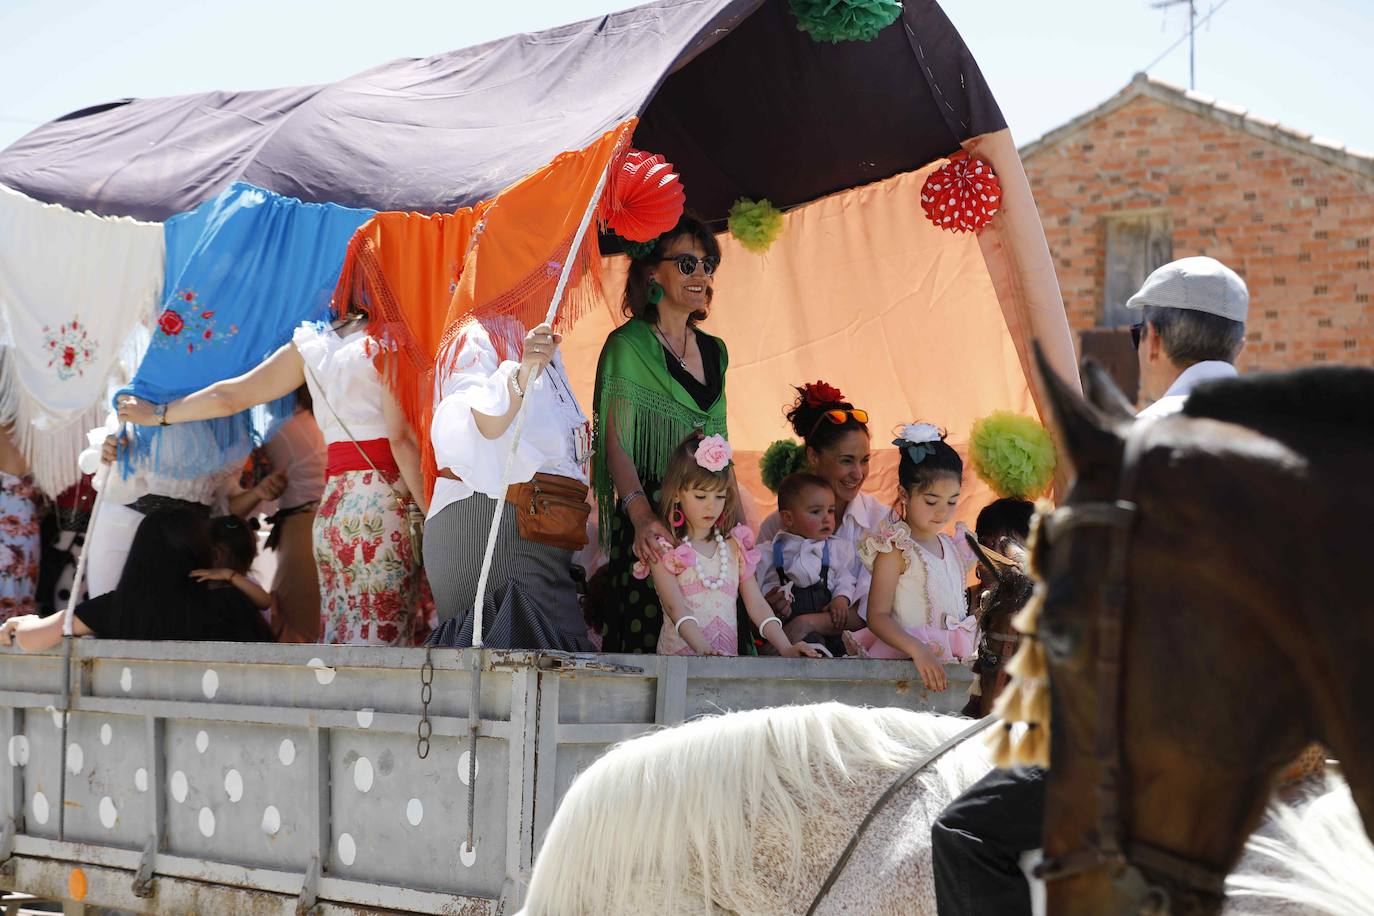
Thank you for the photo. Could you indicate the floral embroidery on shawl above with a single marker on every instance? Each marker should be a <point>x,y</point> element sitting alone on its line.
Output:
<point>191,324</point>
<point>70,348</point>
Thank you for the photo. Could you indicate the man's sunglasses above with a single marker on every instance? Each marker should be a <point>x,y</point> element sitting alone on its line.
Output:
<point>1137,332</point>
<point>687,264</point>
<point>839,418</point>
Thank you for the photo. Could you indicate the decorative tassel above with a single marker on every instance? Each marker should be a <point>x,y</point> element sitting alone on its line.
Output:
<point>1008,705</point>
<point>1029,660</point>
<point>975,687</point>
<point>1027,620</point>
<point>998,741</point>
<point>1034,747</point>
<point>1037,705</point>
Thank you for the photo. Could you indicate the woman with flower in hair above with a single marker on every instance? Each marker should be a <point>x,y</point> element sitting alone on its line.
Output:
<point>659,378</point>
<point>834,445</point>
<point>700,579</point>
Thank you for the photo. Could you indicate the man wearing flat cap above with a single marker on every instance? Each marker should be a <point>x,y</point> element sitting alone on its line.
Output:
<point>1191,329</point>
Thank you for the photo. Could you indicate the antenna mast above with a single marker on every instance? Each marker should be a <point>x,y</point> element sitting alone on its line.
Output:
<point>1192,33</point>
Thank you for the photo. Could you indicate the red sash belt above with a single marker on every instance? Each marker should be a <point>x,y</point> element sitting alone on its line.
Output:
<point>347,456</point>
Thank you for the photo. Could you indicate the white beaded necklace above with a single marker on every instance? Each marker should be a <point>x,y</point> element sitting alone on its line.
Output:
<point>716,582</point>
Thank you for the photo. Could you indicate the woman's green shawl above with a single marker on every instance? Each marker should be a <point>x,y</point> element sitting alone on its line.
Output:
<point>651,411</point>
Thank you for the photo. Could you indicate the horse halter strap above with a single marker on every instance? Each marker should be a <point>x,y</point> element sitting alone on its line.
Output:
<point>1112,849</point>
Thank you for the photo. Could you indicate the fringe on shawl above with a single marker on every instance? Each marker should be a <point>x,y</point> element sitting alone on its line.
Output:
<point>184,451</point>
<point>50,449</point>
<point>406,368</point>
<point>648,426</point>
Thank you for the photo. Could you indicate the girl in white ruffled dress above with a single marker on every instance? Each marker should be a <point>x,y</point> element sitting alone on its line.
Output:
<point>918,603</point>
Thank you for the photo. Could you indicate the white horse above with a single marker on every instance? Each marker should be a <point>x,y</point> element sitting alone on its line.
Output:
<point>745,813</point>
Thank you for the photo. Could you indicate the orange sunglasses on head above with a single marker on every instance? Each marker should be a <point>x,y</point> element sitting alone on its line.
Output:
<point>839,418</point>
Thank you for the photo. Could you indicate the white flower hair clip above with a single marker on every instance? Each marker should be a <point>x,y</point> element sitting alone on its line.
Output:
<point>918,440</point>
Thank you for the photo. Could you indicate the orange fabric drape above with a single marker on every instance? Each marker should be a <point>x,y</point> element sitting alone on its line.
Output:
<point>402,268</point>
<point>524,237</point>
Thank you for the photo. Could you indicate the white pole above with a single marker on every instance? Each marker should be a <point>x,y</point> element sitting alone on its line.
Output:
<point>519,422</point>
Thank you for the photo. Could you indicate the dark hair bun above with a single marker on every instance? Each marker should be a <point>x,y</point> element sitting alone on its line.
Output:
<point>814,400</point>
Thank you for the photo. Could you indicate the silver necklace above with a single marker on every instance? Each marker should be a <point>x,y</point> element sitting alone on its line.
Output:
<point>681,360</point>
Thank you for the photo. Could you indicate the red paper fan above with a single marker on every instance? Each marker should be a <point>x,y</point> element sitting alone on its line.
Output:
<point>963,195</point>
<point>643,197</point>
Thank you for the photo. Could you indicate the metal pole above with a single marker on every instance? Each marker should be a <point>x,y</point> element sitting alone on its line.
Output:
<point>479,599</point>
<point>1192,37</point>
<point>67,618</point>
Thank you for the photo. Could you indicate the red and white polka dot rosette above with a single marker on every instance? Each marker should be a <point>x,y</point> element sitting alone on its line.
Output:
<point>963,195</point>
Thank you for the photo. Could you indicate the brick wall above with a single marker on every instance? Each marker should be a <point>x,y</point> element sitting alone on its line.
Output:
<point>1296,228</point>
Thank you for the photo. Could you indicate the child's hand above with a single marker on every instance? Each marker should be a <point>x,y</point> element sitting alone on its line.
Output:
<point>799,649</point>
<point>839,612</point>
<point>931,671</point>
<point>712,650</point>
<point>780,601</point>
<point>271,486</point>
<point>213,575</point>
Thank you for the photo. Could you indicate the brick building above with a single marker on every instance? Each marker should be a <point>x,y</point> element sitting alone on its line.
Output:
<point>1158,172</point>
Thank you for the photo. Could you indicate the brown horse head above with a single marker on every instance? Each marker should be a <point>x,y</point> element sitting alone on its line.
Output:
<point>1006,587</point>
<point>1222,537</point>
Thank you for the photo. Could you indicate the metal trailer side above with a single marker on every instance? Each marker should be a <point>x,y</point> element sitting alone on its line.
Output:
<point>276,779</point>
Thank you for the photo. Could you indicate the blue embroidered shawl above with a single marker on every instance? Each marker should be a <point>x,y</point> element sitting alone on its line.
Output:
<point>243,270</point>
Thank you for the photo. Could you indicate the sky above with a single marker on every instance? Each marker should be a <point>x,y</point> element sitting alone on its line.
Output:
<point>1302,64</point>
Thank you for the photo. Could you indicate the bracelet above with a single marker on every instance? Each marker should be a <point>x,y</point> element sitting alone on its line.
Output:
<point>677,627</point>
<point>769,620</point>
<point>160,411</point>
<point>515,383</point>
<point>625,503</point>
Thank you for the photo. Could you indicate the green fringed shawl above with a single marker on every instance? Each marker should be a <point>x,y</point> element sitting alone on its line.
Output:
<point>651,411</point>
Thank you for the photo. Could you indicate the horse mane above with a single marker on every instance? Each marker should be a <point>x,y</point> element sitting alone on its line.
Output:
<point>1334,395</point>
<point>670,816</point>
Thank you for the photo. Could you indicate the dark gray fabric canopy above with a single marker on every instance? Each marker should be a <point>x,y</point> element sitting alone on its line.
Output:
<point>729,91</point>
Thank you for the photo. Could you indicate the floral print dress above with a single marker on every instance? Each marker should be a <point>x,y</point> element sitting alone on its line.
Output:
<point>714,608</point>
<point>931,602</point>
<point>19,547</point>
<point>372,587</point>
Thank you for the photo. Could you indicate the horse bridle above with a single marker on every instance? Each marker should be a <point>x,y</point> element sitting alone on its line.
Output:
<point>1111,848</point>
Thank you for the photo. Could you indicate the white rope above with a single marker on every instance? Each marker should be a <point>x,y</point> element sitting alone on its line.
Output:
<point>519,422</point>
<point>103,479</point>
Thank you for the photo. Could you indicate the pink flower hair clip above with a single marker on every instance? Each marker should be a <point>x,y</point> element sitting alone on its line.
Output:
<point>714,454</point>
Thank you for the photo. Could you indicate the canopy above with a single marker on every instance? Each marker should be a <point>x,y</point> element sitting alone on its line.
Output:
<point>730,91</point>
<point>859,290</point>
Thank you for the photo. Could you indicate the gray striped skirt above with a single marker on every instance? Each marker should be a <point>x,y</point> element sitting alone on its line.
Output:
<point>531,601</point>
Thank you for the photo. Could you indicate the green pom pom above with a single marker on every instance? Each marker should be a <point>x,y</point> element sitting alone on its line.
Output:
<point>783,457</point>
<point>845,20</point>
<point>639,250</point>
<point>756,224</point>
<point>1013,454</point>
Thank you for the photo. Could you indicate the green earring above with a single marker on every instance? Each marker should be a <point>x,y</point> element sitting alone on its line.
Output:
<point>655,293</point>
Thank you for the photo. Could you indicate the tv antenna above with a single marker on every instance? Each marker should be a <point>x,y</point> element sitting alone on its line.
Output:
<point>1192,31</point>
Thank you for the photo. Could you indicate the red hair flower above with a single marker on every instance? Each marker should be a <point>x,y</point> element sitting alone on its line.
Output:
<point>821,394</point>
<point>170,323</point>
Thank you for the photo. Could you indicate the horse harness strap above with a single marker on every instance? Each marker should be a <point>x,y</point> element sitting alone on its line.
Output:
<point>909,774</point>
<point>1109,850</point>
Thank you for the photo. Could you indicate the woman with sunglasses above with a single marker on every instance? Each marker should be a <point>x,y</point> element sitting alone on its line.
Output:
<point>659,378</point>
<point>835,446</point>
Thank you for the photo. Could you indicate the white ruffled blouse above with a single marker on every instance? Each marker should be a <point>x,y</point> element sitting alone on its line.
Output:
<point>556,438</point>
<point>344,367</point>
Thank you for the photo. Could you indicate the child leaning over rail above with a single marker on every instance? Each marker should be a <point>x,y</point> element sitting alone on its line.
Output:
<point>917,605</point>
<point>699,580</point>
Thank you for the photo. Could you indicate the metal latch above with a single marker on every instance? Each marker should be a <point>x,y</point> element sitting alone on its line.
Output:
<point>145,885</point>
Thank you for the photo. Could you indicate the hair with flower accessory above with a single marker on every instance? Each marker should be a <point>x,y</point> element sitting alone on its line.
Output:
<point>815,400</point>
<point>700,463</point>
<point>925,456</point>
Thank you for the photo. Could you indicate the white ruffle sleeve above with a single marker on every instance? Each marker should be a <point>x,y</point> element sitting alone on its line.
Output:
<point>479,382</point>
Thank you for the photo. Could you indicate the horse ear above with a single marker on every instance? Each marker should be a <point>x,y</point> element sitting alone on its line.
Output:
<point>1102,393</point>
<point>983,559</point>
<point>1089,438</point>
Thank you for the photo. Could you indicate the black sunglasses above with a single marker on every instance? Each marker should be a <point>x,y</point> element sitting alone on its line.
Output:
<point>1137,332</point>
<point>687,264</point>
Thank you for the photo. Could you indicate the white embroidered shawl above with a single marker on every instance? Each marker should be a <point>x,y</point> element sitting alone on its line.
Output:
<point>73,286</point>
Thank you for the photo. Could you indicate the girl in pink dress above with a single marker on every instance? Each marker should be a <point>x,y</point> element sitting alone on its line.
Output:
<point>699,580</point>
<point>918,604</point>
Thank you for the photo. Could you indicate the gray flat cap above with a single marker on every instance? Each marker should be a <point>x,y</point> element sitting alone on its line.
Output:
<point>1201,284</point>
